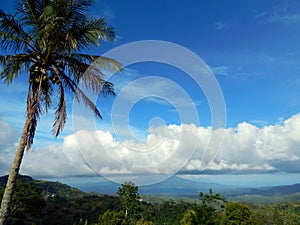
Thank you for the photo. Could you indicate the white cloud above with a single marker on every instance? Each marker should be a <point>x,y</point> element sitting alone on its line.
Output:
<point>108,170</point>
<point>248,147</point>
<point>281,141</point>
<point>52,161</point>
<point>225,166</point>
<point>166,150</point>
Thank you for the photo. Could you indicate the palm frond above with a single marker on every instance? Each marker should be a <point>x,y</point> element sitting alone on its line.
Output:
<point>109,64</point>
<point>13,36</point>
<point>31,10</point>
<point>46,94</point>
<point>86,58</point>
<point>76,9</point>
<point>69,84</point>
<point>105,63</point>
<point>79,6</point>
<point>60,112</point>
<point>92,80</point>
<point>92,75</point>
<point>97,30</point>
<point>13,65</point>
<point>107,89</point>
<point>78,64</point>
<point>75,67</point>
<point>84,33</point>
<point>79,95</point>
<point>34,110</point>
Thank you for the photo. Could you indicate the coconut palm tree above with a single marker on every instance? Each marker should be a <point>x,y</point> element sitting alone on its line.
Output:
<point>46,41</point>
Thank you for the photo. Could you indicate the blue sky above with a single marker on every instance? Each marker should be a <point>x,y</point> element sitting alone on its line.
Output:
<point>251,47</point>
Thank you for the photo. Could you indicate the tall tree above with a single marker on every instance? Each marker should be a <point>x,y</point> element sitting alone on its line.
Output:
<point>207,211</point>
<point>129,197</point>
<point>46,41</point>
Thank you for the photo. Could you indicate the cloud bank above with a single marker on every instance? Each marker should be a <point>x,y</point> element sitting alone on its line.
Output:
<point>245,148</point>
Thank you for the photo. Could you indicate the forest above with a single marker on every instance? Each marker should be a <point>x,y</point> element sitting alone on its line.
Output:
<point>43,202</point>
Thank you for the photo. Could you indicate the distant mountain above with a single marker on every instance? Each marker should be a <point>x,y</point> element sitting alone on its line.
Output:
<point>177,186</point>
<point>266,195</point>
<point>172,187</point>
<point>269,191</point>
<point>182,187</point>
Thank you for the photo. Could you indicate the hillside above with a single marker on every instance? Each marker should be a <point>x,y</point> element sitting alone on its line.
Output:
<point>268,191</point>
<point>261,199</point>
<point>53,203</point>
<point>21,178</point>
<point>174,188</point>
<point>49,188</point>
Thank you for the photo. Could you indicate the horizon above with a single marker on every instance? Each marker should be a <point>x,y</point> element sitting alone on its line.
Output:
<point>236,120</point>
<point>180,186</point>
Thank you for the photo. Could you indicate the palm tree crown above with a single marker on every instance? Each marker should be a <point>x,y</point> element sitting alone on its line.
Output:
<point>47,38</point>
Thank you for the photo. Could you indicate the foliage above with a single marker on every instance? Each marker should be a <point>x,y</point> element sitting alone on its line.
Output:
<point>61,211</point>
<point>130,200</point>
<point>212,199</point>
<point>261,199</point>
<point>206,212</point>
<point>28,203</point>
<point>34,206</point>
<point>166,212</point>
<point>277,214</point>
<point>189,218</point>
<point>143,222</point>
<point>59,189</point>
<point>237,214</point>
<point>113,218</point>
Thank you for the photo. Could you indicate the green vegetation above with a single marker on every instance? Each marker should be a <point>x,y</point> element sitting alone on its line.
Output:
<point>28,202</point>
<point>112,218</point>
<point>129,197</point>
<point>261,199</point>
<point>205,212</point>
<point>52,203</point>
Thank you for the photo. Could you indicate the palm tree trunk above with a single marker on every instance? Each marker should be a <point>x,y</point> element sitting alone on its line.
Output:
<point>12,177</point>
